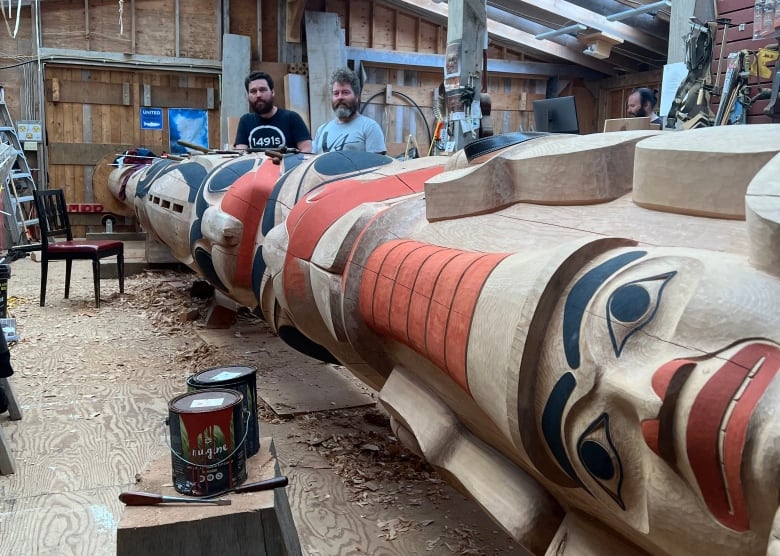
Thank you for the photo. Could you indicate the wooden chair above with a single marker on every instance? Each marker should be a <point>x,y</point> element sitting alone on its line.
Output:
<point>54,223</point>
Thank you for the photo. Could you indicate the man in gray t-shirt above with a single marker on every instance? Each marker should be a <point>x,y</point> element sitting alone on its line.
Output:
<point>349,130</point>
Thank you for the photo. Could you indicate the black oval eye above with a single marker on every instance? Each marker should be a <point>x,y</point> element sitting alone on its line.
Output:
<point>596,459</point>
<point>629,303</point>
<point>632,306</point>
<point>600,458</point>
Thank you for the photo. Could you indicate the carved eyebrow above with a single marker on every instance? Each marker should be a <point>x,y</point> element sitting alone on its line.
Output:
<point>579,297</point>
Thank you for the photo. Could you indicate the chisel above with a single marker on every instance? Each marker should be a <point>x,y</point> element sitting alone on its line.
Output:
<point>150,499</point>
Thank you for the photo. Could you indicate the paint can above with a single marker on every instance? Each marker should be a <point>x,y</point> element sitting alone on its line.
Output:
<point>207,441</point>
<point>240,378</point>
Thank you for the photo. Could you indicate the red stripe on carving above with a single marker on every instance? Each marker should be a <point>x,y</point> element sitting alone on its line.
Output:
<point>246,200</point>
<point>432,293</point>
<point>463,307</point>
<point>719,478</point>
<point>314,214</point>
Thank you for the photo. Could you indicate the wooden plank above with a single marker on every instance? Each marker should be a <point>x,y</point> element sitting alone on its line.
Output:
<point>296,98</point>
<point>359,27</point>
<point>199,30</point>
<point>85,92</point>
<point>406,32</point>
<point>382,27</point>
<point>277,72</point>
<point>179,97</point>
<point>428,36</point>
<point>88,154</point>
<point>729,6</point>
<point>326,52</point>
<point>294,16</point>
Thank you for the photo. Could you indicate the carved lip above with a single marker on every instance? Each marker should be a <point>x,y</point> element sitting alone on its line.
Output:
<point>717,424</point>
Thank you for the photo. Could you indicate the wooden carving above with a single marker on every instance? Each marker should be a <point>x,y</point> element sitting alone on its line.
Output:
<point>601,377</point>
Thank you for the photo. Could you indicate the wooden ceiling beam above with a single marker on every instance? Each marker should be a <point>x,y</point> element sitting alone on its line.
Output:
<point>508,35</point>
<point>575,13</point>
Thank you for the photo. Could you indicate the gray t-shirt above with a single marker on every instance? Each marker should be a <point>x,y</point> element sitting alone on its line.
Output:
<point>360,134</point>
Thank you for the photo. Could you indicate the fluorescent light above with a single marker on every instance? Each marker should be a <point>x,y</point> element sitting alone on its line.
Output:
<point>644,8</point>
<point>562,31</point>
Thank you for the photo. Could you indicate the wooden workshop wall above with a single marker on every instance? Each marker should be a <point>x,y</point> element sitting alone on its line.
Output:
<point>90,111</point>
<point>741,13</point>
<point>93,112</point>
<point>151,29</point>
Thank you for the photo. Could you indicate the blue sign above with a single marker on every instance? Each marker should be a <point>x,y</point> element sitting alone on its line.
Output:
<point>151,118</point>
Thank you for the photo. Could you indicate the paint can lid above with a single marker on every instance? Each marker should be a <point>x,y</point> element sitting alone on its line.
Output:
<point>221,375</point>
<point>204,401</point>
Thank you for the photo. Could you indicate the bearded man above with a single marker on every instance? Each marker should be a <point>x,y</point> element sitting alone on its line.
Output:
<point>349,130</point>
<point>268,126</point>
<point>641,103</point>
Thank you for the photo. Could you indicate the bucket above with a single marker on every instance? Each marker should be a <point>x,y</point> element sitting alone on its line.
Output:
<point>240,378</point>
<point>208,432</point>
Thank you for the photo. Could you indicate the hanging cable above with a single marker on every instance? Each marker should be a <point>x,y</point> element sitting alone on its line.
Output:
<point>411,101</point>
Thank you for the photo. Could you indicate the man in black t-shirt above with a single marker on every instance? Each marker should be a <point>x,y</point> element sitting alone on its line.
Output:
<point>267,126</point>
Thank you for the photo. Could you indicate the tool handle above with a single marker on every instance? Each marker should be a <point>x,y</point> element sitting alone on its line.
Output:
<point>140,498</point>
<point>268,484</point>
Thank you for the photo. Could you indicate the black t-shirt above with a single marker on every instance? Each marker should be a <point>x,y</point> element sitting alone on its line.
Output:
<point>284,129</point>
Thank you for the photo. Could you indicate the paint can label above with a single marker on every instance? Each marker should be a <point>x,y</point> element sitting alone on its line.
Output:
<point>207,441</point>
<point>242,379</point>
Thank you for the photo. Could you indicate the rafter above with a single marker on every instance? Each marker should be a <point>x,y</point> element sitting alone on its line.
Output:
<point>509,35</point>
<point>593,20</point>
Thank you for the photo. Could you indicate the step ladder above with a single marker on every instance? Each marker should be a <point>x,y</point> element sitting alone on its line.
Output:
<point>17,195</point>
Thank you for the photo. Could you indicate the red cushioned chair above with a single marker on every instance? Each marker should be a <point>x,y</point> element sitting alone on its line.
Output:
<point>54,223</point>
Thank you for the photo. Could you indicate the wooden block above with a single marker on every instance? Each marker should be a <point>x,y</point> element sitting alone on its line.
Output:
<point>258,523</point>
<point>626,124</point>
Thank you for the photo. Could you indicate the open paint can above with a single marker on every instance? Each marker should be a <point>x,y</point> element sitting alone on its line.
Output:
<point>240,378</point>
<point>207,441</point>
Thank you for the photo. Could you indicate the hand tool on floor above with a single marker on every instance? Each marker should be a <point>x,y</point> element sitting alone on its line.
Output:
<point>151,499</point>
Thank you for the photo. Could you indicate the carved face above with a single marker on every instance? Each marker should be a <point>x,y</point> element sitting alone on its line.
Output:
<point>657,389</point>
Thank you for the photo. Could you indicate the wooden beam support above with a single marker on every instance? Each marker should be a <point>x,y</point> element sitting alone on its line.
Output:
<point>435,62</point>
<point>63,56</point>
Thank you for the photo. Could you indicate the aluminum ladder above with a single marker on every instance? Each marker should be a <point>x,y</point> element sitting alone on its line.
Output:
<point>17,192</point>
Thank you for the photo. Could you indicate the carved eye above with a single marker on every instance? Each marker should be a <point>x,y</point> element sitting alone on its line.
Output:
<point>632,306</point>
<point>600,459</point>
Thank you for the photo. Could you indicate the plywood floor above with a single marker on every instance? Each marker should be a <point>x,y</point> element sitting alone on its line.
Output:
<point>94,386</point>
